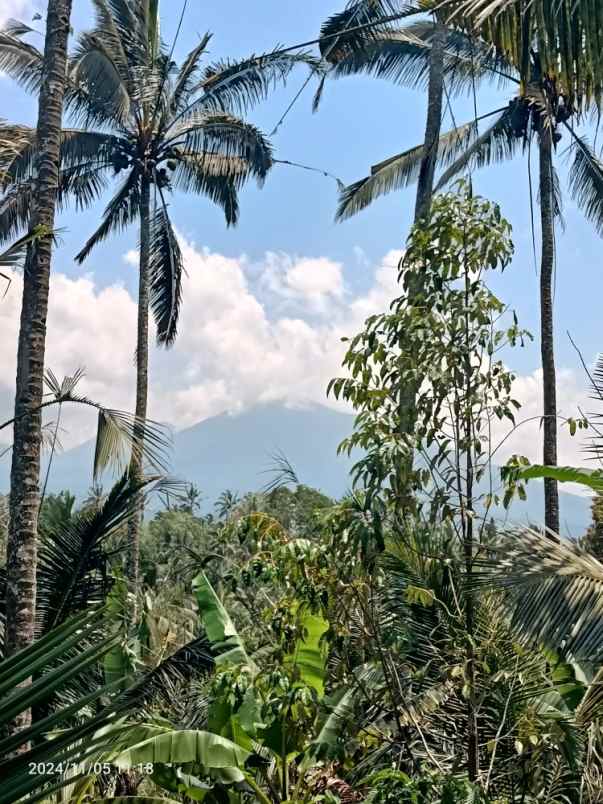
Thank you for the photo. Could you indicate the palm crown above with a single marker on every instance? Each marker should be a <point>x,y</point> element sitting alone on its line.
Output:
<point>547,92</point>
<point>158,125</point>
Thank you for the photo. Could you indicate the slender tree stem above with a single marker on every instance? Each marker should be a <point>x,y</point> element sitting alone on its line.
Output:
<point>433,126</point>
<point>142,380</point>
<point>258,792</point>
<point>55,436</point>
<point>549,379</point>
<point>468,514</point>
<point>435,99</point>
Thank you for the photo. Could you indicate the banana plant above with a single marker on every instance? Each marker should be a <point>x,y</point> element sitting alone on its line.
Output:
<point>272,711</point>
<point>256,718</point>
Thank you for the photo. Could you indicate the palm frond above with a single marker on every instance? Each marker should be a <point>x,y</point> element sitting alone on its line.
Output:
<point>15,206</point>
<point>227,138</point>
<point>15,254</point>
<point>586,182</point>
<point>14,141</point>
<point>118,432</point>
<point>216,178</point>
<point>564,33</point>
<point>80,150</point>
<point>283,473</point>
<point>496,144</point>
<point>72,564</point>
<point>554,592</point>
<point>338,38</point>
<point>121,211</point>
<point>107,23</point>
<point>403,56</point>
<point>400,171</point>
<point>165,265</point>
<point>82,184</point>
<point>17,28</point>
<point>130,22</point>
<point>189,662</point>
<point>94,70</point>
<point>187,74</point>
<point>590,709</point>
<point>151,91</point>
<point>75,184</point>
<point>235,86</point>
<point>55,660</point>
<point>22,61</point>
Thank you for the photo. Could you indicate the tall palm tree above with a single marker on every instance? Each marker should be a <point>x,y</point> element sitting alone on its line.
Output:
<point>420,52</point>
<point>162,128</point>
<point>542,106</point>
<point>25,470</point>
<point>556,48</point>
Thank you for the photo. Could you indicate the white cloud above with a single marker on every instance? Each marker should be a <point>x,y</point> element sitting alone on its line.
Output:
<point>526,439</point>
<point>19,9</point>
<point>132,258</point>
<point>315,284</point>
<point>233,350</point>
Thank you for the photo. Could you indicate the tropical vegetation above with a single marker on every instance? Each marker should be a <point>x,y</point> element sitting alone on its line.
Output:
<point>401,643</point>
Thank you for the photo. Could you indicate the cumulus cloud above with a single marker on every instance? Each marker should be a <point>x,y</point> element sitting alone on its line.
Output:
<point>316,284</point>
<point>249,333</point>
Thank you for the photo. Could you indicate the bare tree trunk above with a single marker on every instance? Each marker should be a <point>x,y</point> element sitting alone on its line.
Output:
<point>549,381</point>
<point>25,469</point>
<point>435,98</point>
<point>433,126</point>
<point>142,381</point>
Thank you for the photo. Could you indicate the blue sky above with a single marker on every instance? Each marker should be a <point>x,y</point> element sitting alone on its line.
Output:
<point>361,121</point>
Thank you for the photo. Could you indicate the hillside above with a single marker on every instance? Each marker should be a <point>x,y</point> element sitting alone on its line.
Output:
<point>235,452</point>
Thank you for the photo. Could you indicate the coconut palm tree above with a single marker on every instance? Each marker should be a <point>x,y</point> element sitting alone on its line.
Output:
<point>25,470</point>
<point>542,106</point>
<point>159,128</point>
<point>419,52</point>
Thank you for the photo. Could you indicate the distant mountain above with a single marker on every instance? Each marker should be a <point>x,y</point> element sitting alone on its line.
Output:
<point>235,451</point>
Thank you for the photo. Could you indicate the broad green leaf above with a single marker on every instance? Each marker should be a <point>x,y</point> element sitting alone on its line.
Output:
<point>593,478</point>
<point>308,659</point>
<point>249,713</point>
<point>342,705</point>
<point>220,629</point>
<point>180,747</point>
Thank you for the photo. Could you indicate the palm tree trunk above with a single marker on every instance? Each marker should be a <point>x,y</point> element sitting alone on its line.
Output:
<point>549,381</point>
<point>25,469</point>
<point>433,126</point>
<point>435,98</point>
<point>142,381</point>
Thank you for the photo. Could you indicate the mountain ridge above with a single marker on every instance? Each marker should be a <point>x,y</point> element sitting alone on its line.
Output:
<point>236,451</point>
